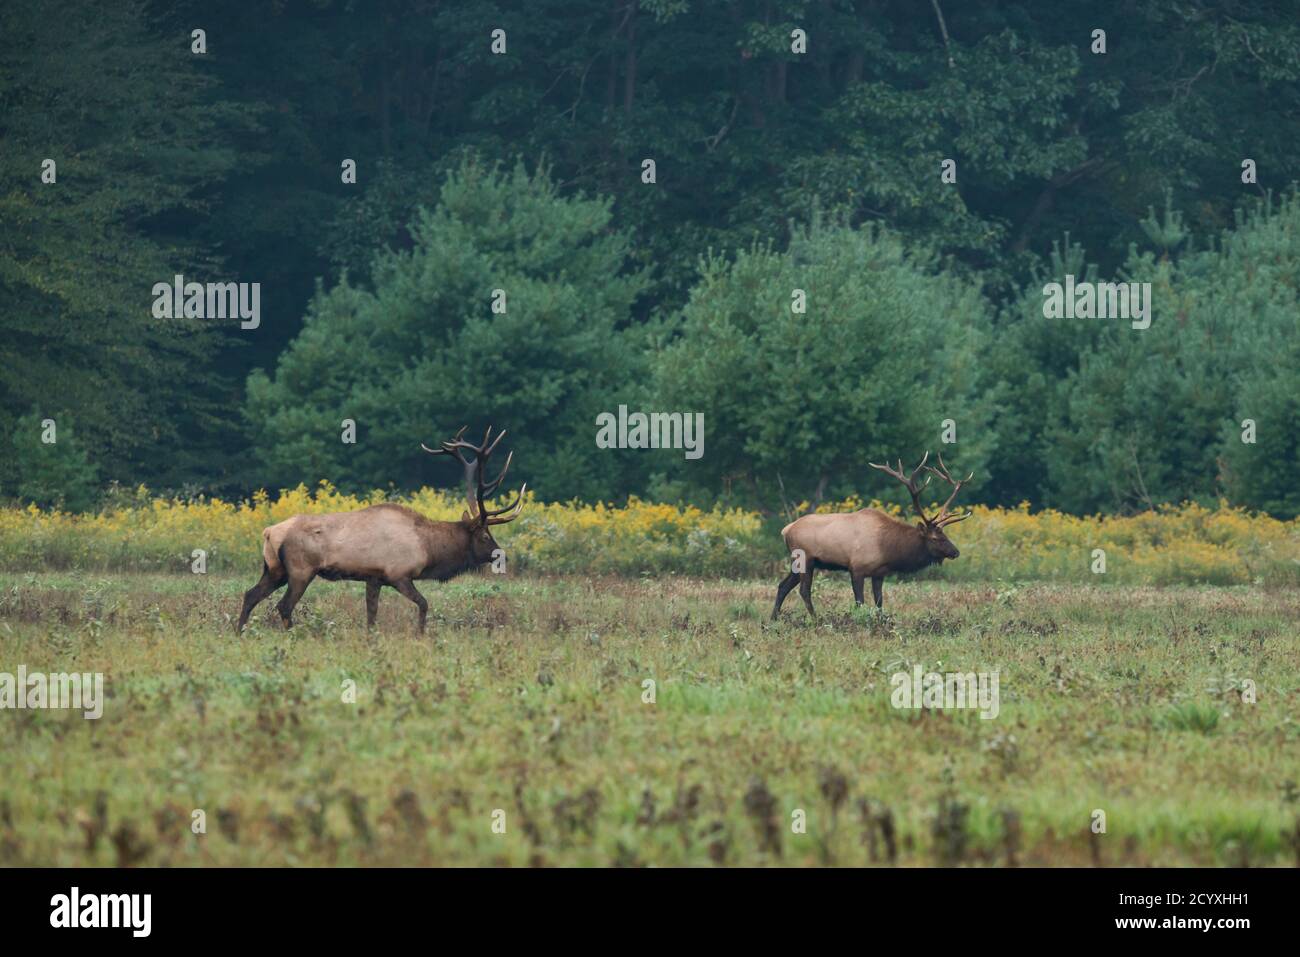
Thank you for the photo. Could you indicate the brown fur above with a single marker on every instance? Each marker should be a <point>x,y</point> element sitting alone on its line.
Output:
<point>380,545</point>
<point>866,543</point>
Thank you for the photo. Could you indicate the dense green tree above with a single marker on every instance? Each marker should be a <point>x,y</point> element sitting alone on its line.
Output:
<point>122,112</point>
<point>796,404</point>
<point>749,133</point>
<point>1107,417</point>
<point>424,351</point>
<point>1261,474</point>
<point>1048,135</point>
<point>1251,284</point>
<point>50,466</point>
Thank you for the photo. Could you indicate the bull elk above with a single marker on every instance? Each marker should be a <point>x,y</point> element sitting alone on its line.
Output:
<point>386,544</point>
<point>870,544</point>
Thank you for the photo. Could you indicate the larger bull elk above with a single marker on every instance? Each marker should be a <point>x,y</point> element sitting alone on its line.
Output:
<point>386,544</point>
<point>870,544</point>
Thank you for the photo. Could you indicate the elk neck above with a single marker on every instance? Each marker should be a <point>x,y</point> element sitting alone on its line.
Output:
<point>912,553</point>
<point>450,550</point>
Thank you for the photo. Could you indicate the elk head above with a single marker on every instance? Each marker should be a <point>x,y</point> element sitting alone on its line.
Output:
<point>936,542</point>
<point>478,519</point>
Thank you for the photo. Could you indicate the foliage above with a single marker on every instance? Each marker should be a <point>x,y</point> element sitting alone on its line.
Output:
<point>1116,418</point>
<point>798,403</point>
<point>511,300</point>
<point>134,149</point>
<point>1186,545</point>
<point>752,142</point>
<point>55,474</point>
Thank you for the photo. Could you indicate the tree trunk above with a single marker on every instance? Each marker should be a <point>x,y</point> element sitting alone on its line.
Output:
<point>611,83</point>
<point>629,78</point>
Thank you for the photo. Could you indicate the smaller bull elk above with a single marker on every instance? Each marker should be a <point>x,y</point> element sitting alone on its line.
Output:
<point>386,544</point>
<point>868,543</point>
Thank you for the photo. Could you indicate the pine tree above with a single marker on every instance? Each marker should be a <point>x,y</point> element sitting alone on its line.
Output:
<point>506,311</point>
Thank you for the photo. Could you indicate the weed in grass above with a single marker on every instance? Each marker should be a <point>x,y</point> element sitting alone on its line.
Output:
<point>1198,716</point>
<point>496,709</point>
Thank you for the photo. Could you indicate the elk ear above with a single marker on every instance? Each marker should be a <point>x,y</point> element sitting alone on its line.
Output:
<point>465,518</point>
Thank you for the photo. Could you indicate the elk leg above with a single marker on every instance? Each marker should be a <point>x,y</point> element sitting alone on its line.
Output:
<point>372,602</point>
<point>858,578</point>
<point>805,591</point>
<point>254,596</point>
<point>291,598</point>
<point>876,582</point>
<point>782,590</point>
<point>406,587</point>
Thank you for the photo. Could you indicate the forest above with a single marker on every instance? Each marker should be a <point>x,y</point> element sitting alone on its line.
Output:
<point>718,274</point>
<point>828,226</point>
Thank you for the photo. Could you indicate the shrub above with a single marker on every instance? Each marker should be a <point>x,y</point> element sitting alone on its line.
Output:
<point>1189,544</point>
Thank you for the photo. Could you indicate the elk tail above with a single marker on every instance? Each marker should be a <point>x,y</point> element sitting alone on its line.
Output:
<point>271,556</point>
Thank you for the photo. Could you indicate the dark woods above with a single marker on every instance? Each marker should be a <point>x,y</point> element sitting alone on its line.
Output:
<point>798,261</point>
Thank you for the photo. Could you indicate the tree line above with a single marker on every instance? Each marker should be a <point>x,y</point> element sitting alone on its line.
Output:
<point>921,321</point>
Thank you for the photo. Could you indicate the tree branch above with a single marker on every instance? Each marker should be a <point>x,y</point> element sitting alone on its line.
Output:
<point>1047,196</point>
<point>943,28</point>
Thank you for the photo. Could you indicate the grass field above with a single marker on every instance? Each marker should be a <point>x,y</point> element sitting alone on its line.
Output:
<point>527,697</point>
<point>1184,545</point>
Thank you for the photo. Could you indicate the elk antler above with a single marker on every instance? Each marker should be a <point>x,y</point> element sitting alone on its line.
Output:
<point>452,448</point>
<point>508,514</point>
<point>910,482</point>
<point>477,489</point>
<point>945,517</point>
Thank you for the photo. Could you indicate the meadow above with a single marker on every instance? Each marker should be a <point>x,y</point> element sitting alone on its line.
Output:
<point>1188,544</point>
<point>522,731</point>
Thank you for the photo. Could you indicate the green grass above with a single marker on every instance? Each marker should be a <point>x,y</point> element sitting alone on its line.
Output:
<point>527,694</point>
